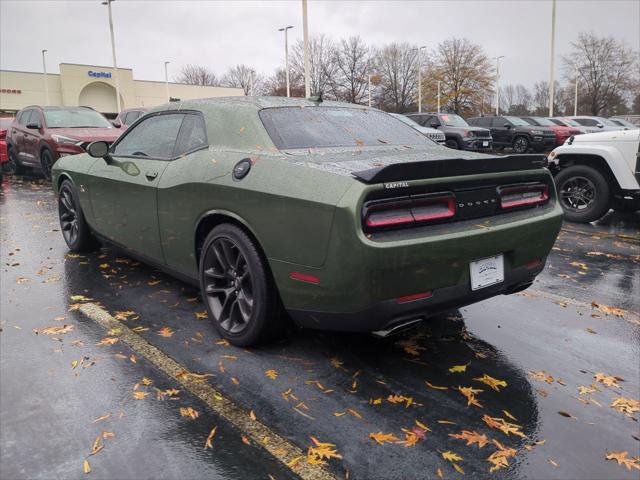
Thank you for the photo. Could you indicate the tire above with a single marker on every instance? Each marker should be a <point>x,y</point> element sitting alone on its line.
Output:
<point>237,288</point>
<point>583,192</point>
<point>520,144</point>
<point>75,230</point>
<point>46,160</point>
<point>13,166</point>
<point>453,143</point>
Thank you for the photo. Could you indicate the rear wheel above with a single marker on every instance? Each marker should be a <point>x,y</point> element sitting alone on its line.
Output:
<point>520,144</point>
<point>46,160</point>
<point>14,167</point>
<point>584,193</point>
<point>237,288</point>
<point>75,230</point>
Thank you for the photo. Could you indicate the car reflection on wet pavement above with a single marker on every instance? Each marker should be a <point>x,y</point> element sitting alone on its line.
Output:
<point>518,386</point>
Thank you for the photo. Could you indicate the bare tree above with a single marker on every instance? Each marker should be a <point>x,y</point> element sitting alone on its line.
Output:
<point>396,63</point>
<point>540,100</point>
<point>321,64</point>
<point>352,63</point>
<point>515,100</point>
<point>276,85</point>
<point>607,71</point>
<point>465,72</point>
<point>242,76</point>
<point>197,75</point>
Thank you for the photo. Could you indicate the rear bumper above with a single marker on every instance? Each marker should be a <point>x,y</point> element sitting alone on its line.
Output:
<point>388,314</point>
<point>363,275</point>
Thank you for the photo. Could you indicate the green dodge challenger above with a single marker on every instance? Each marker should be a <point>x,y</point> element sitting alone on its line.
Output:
<point>339,214</point>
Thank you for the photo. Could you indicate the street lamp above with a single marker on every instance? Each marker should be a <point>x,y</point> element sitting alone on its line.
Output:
<point>552,81</point>
<point>252,74</point>
<point>166,80</point>
<point>286,56</point>
<point>497,59</point>
<point>113,53</point>
<point>44,76</point>
<point>419,77</point>
<point>439,82</point>
<point>305,32</point>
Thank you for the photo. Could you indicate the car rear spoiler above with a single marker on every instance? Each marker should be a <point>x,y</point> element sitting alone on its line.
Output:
<point>450,168</point>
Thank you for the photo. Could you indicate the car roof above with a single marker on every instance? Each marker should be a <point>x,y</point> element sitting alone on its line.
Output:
<point>257,103</point>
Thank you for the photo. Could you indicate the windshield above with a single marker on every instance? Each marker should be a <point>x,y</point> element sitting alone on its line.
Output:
<point>406,120</point>
<point>326,127</point>
<point>517,121</point>
<point>570,122</point>
<point>453,120</point>
<point>543,122</point>
<point>624,123</point>
<point>75,118</point>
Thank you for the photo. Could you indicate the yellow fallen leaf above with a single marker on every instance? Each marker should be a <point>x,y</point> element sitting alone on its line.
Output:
<point>272,374</point>
<point>451,456</point>
<point>209,442</point>
<point>492,382</point>
<point>459,368</point>
<point>86,468</point>
<point>435,387</point>
<point>166,332</point>
<point>382,438</point>
<point>621,458</point>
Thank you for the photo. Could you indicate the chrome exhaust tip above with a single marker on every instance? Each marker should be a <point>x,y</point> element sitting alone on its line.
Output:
<point>397,328</point>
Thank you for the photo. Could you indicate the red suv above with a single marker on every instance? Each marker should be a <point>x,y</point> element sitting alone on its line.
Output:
<point>40,135</point>
<point>561,132</point>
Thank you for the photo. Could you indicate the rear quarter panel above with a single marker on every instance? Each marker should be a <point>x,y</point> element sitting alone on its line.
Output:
<point>288,208</point>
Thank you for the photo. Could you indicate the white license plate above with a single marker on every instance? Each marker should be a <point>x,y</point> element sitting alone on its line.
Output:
<point>487,271</point>
<point>485,144</point>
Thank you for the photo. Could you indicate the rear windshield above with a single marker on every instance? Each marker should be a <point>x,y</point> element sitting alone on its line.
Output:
<point>75,118</point>
<point>325,127</point>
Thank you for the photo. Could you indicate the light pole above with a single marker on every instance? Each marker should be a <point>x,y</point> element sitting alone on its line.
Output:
<point>439,82</point>
<point>369,90</point>
<point>552,82</point>
<point>419,49</point>
<point>305,32</point>
<point>113,53</point>
<point>497,59</point>
<point>575,95</point>
<point>251,79</point>
<point>44,76</point>
<point>166,80</point>
<point>286,56</point>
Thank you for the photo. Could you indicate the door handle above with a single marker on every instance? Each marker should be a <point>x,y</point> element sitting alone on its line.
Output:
<point>151,175</point>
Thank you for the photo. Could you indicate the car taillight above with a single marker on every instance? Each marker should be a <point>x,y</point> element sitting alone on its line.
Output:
<point>403,211</point>
<point>512,196</point>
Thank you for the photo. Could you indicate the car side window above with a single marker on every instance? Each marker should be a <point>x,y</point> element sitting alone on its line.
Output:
<point>433,119</point>
<point>128,118</point>
<point>192,136</point>
<point>153,137</point>
<point>21,117</point>
<point>500,122</point>
<point>32,117</point>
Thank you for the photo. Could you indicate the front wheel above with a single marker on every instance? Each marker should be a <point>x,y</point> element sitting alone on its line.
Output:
<point>584,193</point>
<point>453,143</point>
<point>237,288</point>
<point>521,144</point>
<point>75,230</point>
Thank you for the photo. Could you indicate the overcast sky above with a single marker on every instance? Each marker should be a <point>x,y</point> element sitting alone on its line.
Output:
<point>220,34</point>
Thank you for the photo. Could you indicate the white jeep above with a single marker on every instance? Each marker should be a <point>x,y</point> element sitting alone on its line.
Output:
<point>597,171</point>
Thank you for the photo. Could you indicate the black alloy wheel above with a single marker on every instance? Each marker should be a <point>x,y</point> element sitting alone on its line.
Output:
<point>584,193</point>
<point>228,285</point>
<point>452,143</point>
<point>46,160</point>
<point>521,144</point>
<point>237,289</point>
<point>577,194</point>
<point>75,230</point>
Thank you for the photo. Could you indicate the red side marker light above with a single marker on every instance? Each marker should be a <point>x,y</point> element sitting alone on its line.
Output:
<point>415,296</point>
<point>533,263</point>
<point>303,277</point>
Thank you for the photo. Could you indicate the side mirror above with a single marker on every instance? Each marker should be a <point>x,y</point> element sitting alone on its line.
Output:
<point>434,125</point>
<point>599,125</point>
<point>33,126</point>
<point>507,126</point>
<point>116,124</point>
<point>98,149</point>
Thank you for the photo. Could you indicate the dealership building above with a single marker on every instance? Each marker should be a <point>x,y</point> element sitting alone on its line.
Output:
<point>95,86</point>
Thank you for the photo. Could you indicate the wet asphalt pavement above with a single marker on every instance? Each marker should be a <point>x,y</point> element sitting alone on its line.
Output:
<point>544,344</point>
